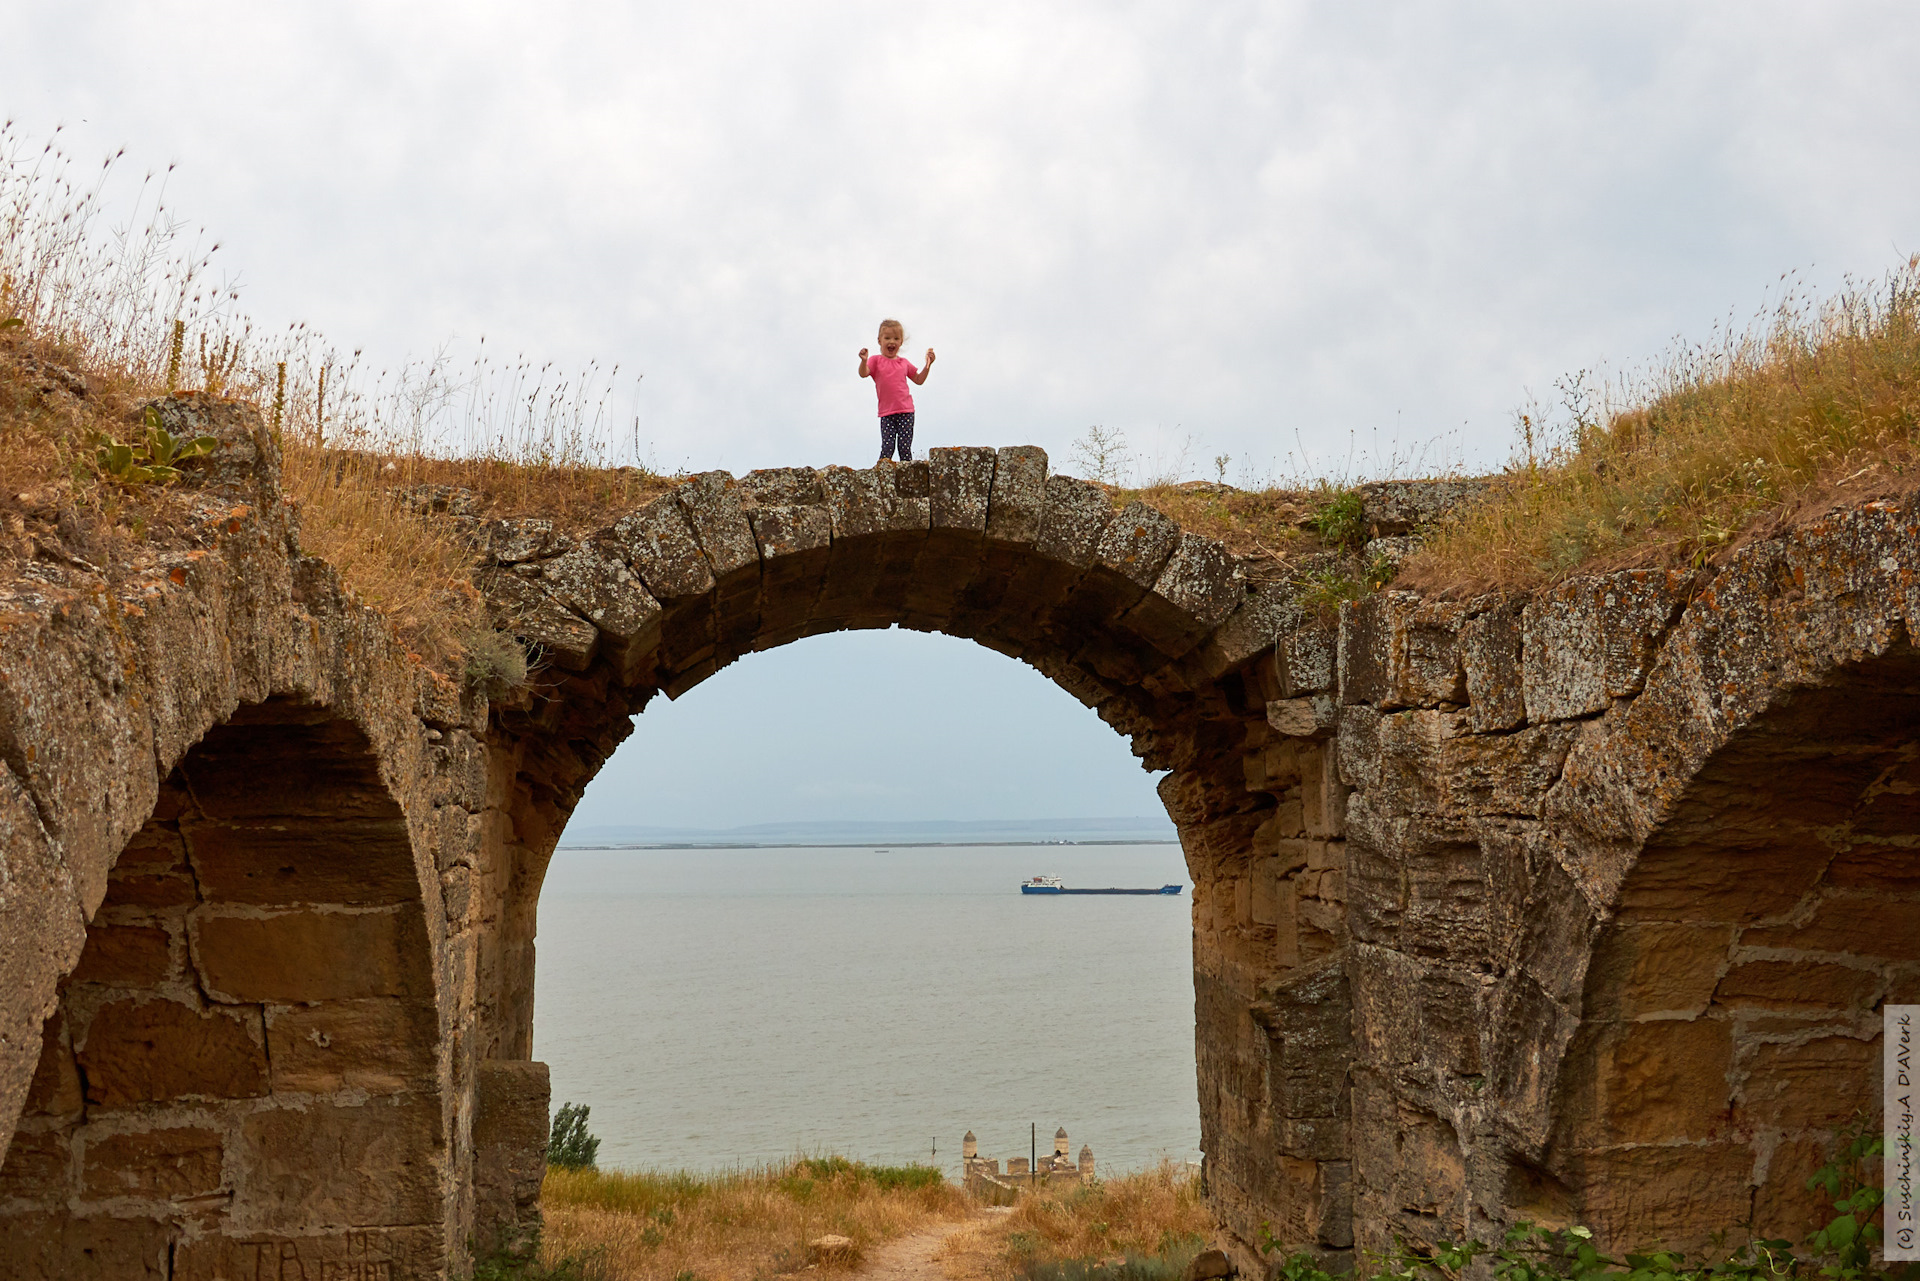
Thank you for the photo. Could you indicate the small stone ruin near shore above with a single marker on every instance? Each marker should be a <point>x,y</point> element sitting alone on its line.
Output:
<point>983,1177</point>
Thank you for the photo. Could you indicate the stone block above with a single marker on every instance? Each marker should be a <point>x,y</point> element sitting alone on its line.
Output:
<point>307,956</point>
<point>1017,506</point>
<point>321,768</point>
<point>1850,925</point>
<point>1490,663</point>
<point>1077,517</point>
<point>1402,506</point>
<point>54,1089</point>
<point>711,500</point>
<point>1657,969</point>
<point>348,1254</point>
<point>511,1098</point>
<point>1784,1206</point>
<point>1310,716</point>
<point>1500,774</point>
<point>1655,1082</point>
<point>1195,592</point>
<point>1323,795</point>
<point>1591,640</point>
<point>1268,884</point>
<point>156,1051</point>
<point>961,485</point>
<point>557,634</point>
<point>601,589</point>
<point>783,487</point>
<point>373,1164</point>
<point>658,543</point>
<point>279,861</point>
<point>789,531</point>
<point>437,699</point>
<point>509,542</point>
<point>168,1163</point>
<point>1660,1197</point>
<point>1137,544</point>
<point>1815,1085</point>
<point>1396,650</point>
<point>97,1247</point>
<point>1274,766</point>
<point>381,1046</point>
<point>37,1167</point>
<point>859,503</point>
<point>125,955</point>
<point>1808,986</point>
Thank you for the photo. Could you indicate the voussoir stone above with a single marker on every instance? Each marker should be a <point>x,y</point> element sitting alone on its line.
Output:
<point>1018,504</point>
<point>714,510</point>
<point>659,544</point>
<point>961,482</point>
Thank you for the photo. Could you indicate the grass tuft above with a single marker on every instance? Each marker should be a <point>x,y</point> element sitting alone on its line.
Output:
<point>1815,400</point>
<point>658,1226</point>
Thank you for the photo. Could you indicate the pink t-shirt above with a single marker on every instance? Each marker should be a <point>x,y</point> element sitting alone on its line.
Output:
<point>889,374</point>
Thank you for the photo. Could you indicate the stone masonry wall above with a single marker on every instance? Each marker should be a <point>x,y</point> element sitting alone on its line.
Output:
<point>1577,905</point>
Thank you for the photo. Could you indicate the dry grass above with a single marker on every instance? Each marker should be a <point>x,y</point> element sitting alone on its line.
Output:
<point>1266,524</point>
<point>730,1227</point>
<point>113,314</point>
<point>1717,443</point>
<point>1153,1214</point>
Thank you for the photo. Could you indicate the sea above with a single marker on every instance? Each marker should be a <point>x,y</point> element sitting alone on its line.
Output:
<point>720,1008</point>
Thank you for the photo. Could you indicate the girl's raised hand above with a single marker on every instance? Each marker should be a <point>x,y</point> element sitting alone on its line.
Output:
<point>929,355</point>
<point>863,353</point>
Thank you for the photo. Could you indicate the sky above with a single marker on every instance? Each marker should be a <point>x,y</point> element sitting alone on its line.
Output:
<point>1302,239</point>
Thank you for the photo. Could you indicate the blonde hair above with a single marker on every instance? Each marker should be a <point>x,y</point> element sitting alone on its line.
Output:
<point>892,324</point>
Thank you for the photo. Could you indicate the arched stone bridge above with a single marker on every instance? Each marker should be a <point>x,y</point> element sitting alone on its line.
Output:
<point>1571,906</point>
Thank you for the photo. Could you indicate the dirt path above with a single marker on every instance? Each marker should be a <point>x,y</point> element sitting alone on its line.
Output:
<point>916,1258</point>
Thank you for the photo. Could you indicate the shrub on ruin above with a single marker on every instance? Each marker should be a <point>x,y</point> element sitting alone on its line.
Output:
<point>572,1146</point>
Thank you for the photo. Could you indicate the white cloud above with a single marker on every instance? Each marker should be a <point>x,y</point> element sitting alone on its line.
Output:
<point>1250,220</point>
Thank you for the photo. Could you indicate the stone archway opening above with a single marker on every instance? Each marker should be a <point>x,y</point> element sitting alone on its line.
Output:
<point>1732,1005</point>
<point>241,1076</point>
<point>872,993</point>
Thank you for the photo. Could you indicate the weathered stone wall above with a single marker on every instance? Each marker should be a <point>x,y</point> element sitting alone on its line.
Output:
<point>1577,905</point>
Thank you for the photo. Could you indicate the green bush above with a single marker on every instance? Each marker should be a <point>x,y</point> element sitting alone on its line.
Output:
<point>570,1146</point>
<point>1341,520</point>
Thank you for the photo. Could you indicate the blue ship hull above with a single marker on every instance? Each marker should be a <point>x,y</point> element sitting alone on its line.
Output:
<point>1060,889</point>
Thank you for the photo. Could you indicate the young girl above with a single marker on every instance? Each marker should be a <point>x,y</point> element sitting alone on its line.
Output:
<point>890,372</point>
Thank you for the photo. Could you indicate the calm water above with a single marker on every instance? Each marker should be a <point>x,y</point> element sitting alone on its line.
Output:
<point>725,1006</point>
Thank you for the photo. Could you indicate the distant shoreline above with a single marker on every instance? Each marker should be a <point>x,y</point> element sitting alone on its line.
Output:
<point>846,845</point>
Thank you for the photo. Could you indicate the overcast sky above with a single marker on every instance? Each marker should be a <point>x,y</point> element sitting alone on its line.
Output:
<point>1265,228</point>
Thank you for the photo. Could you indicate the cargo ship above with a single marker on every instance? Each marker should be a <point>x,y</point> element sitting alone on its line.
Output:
<point>1054,885</point>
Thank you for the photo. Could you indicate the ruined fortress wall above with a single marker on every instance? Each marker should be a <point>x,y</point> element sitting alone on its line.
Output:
<point>1577,905</point>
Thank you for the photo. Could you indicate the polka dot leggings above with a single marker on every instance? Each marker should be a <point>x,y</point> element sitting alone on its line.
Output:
<point>896,429</point>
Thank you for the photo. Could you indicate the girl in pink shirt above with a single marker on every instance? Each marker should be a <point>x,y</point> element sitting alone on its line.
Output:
<point>891,372</point>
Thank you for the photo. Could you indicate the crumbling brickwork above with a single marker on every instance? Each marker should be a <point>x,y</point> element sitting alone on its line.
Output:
<point>1572,905</point>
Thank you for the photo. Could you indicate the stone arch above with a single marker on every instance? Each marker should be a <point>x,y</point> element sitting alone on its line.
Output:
<point>1731,1007</point>
<point>242,1073</point>
<point>1123,609</point>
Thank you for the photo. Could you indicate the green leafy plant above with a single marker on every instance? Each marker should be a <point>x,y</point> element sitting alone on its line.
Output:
<point>1341,519</point>
<point>154,458</point>
<point>1322,590</point>
<point>571,1146</point>
<point>1840,1251</point>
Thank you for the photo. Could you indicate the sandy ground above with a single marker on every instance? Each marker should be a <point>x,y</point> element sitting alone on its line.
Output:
<point>957,1251</point>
